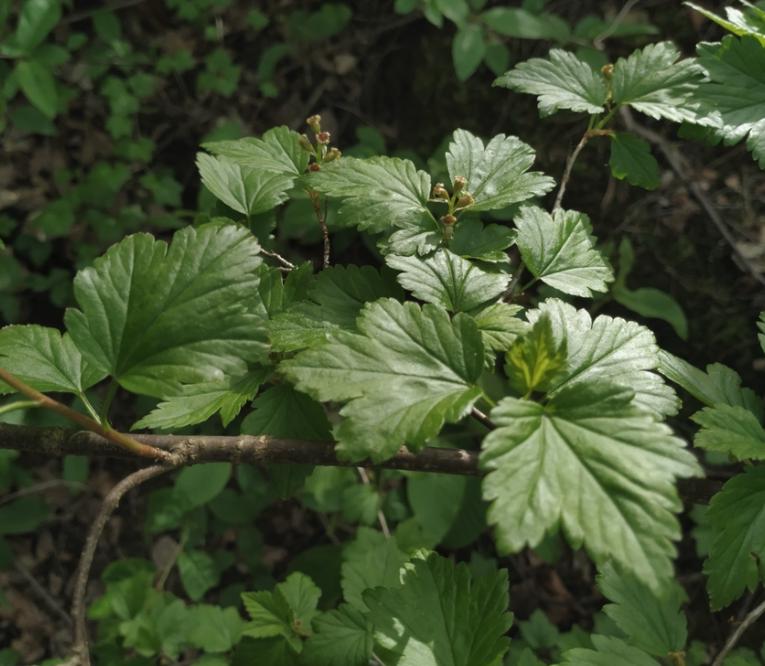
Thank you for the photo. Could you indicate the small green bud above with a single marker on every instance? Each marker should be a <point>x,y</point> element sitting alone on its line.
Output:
<point>465,200</point>
<point>305,143</point>
<point>439,192</point>
<point>607,71</point>
<point>323,138</point>
<point>314,122</point>
<point>459,184</point>
<point>332,154</point>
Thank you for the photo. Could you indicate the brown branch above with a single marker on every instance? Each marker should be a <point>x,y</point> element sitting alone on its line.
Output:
<point>675,161</point>
<point>118,438</point>
<point>188,450</point>
<point>111,501</point>
<point>57,442</point>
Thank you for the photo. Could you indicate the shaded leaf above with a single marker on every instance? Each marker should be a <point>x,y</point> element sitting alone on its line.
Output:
<point>631,160</point>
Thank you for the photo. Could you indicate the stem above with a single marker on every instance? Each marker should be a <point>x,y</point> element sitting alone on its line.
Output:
<point>321,217</point>
<point>747,622</point>
<point>380,515</point>
<point>482,418</point>
<point>275,255</point>
<point>588,134</point>
<point>19,404</point>
<point>111,501</point>
<point>88,406</point>
<point>107,403</point>
<point>86,422</point>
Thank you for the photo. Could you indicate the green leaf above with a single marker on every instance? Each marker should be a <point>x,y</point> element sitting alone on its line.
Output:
<point>730,429</point>
<point>198,402</point>
<point>608,652</point>
<point>500,326</point>
<point>468,50</point>
<point>651,619</point>
<point>718,385</point>
<point>498,173</point>
<point>369,561</point>
<point>609,349</point>
<point>22,515</point>
<point>739,22</point>
<point>447,279</point>
<point>287,611</point>
<point>580,463</point>
<point>334,302</point>
<point>281,411</point>
<point>303,596</point>
<point>562,82</point>
<point>735,93</point>
<point>279,151</point>
<point>407,372</point>
<point>646,301</point>
<point>37,83</point>
<point>631,160</point>
<point>45,359</point>
<point>473,240</point>
<point>534,360</point>
<point>560,251</point>
<point>523,24</point>
<point>378,193</point>
<point>156,316</point>
<point>214,629</point>
<point>247,190</point>
<point>736,517</point>
<point>199,484</point>
<point>342,637</point>
<point>199,573</point>
<point>441,616</point>
<point>460,519</point>
<point>653,81</point>
<point>36,20</point>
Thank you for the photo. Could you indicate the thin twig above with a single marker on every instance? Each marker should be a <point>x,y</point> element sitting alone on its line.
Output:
<point>380,515</point>
<point>675,162</point>
<point>41,592</point>
<point>482,418</point>
<point>589,134</point>
<point>39,488</point>
<point>275,255</point>
<point>747,622</point>
<point>626,9</point>
<point>110,503</point>
<point>322,218</point>
<point>82,420</point>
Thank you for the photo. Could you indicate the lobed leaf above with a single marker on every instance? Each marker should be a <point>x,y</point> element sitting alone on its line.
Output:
<point>560,251</point>
<point>736,518</point>
<point>441,615</point>
<point>582,463</point>
<point>155,316</point>
<point>447,279</point>
<point>45,359</point>
<point>609,349</point>
<point>498,173</point>
<point>654,81</point>
<point>407,372</point>
<point>562,81</point>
